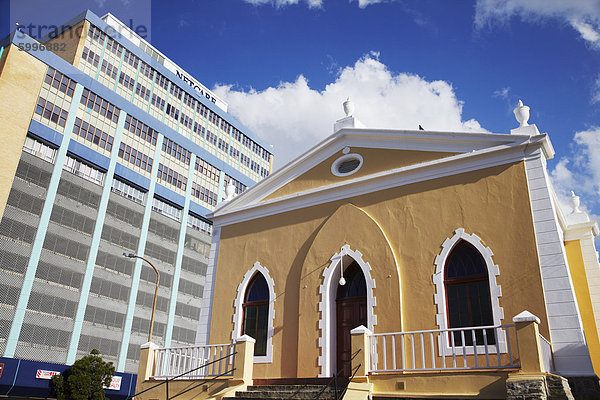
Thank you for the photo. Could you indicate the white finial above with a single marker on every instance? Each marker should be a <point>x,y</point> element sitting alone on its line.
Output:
<point>575,203</point>
<point>229,190</point>
<point>348,107</point>
<point>522,114</point>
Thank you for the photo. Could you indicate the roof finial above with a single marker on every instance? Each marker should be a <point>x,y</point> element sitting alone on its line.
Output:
<point>522,114</point>
<point>575,203</point>
<point>229,190</point>
<point>348,107</point>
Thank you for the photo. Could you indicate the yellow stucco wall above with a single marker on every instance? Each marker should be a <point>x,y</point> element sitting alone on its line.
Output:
<point>21,77</point>
<point>374,160</point>
<point>399,231</point>
<point>69,44</point>
<point>584,301</point>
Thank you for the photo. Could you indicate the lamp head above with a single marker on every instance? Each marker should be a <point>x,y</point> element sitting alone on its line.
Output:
<point>130,255</point>
<point>342,281</point>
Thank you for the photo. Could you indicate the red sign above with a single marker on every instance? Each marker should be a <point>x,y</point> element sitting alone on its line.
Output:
<point>115,383</point>
<point>1,368</point>
<point>45,374</point>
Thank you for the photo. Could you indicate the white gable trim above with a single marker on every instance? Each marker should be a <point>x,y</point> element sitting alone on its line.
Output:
<point>239,309</point>
<point>448,166</point>
<point>493,271</point>
<point>571,354</point>
<point>327,319</point>
<point>452,142</point>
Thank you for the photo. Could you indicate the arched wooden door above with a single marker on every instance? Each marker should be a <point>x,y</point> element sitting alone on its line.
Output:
<point>351,311</point>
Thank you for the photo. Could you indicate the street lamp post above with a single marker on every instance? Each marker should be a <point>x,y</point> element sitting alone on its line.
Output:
<point>131,255</point>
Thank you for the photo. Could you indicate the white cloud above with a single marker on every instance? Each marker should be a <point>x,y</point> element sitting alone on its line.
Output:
<point>596,91</point>
<point>502,93</point>
<point>582,15</point>
<point>580,172</point>
<point>364,3</point>
<point>294,117</point>
<point>281,3</point>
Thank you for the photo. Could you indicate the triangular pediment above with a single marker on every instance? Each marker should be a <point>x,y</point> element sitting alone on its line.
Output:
<point>373,160</point>
<point>388,157</point>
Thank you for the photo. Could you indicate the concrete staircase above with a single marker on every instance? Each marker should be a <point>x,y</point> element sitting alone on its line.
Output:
<point>287,392</point>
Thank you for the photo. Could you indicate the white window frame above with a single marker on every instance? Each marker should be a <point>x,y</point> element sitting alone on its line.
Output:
<point>440,300</point>
<point>239,310</point>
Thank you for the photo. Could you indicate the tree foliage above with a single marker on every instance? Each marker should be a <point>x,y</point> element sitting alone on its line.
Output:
<point>85,379</point>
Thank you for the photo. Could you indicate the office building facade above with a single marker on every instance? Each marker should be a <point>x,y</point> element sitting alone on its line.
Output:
<point>109,147</point>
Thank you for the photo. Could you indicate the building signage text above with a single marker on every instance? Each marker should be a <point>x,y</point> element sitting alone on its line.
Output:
<point>197,87</point>
<point>45,374</point>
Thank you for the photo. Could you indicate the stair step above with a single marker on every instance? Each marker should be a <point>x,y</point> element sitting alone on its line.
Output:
<point>287,388</point>
<point>287,396</point>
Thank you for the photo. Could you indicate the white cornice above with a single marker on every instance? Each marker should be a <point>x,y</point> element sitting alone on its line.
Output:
<point>460,163</point>
<point>451,142</point>
<point>582,230</point>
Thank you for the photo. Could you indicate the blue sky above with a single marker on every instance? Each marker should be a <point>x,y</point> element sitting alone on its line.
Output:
<point>285,66</point>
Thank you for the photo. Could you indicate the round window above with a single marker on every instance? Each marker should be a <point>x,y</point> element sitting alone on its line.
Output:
<point>346,165</point>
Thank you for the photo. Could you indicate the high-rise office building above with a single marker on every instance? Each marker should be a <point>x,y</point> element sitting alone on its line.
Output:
<point>108,147</point>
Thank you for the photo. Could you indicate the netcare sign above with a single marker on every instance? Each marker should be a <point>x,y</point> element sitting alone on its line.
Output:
<point>200,88</point>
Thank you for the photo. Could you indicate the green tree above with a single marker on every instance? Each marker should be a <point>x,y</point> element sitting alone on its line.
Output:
<point>85,379</point>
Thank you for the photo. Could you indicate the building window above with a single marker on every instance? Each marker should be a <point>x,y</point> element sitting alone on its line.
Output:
<point>83,170</point>
<point>468,293</point>
<point>256,313</point>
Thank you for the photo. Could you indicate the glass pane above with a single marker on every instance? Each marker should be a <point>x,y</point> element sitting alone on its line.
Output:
<point>258,289</point>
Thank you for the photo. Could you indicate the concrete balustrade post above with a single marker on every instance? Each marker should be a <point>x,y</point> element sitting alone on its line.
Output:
<point>146,365</point>
<point>360,342</point>
<point>528,337</point>
<point>244,359</point>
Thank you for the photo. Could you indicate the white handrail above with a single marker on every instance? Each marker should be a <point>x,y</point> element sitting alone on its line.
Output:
<point>466,348</point>
<point>194,361</point>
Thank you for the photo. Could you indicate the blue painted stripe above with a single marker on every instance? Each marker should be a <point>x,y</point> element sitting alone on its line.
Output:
<point>135,278</point>
<point>198,209</point>
<point>90,155</point>
<point>142,55</point>
<point>170,195</point>
<point>133,177</point>
<point>45,133</point>
<point>36,250</point>
<point>74,73</point>
<point>77,75</point>
<point>1,51</point>
<point>179,256</point>
<point>93,253</point>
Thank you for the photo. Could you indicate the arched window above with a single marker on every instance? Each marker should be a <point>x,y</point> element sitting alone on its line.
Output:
<point>468,293</point>
<point>256,313</point>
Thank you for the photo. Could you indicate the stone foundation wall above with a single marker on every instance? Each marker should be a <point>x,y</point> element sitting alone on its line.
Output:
<point>542,387</point>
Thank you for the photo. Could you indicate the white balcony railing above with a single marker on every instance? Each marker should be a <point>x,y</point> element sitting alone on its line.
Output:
<point>482,347</point>
<point>194,362</point>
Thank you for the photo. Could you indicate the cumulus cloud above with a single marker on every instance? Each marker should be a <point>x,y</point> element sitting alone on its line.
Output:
<point>294,117</point>
<point>281,3</point>
<point>581,15</point>
<point>580,172</point>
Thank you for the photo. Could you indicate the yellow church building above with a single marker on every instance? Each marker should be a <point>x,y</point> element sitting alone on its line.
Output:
<point>413,264</point>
